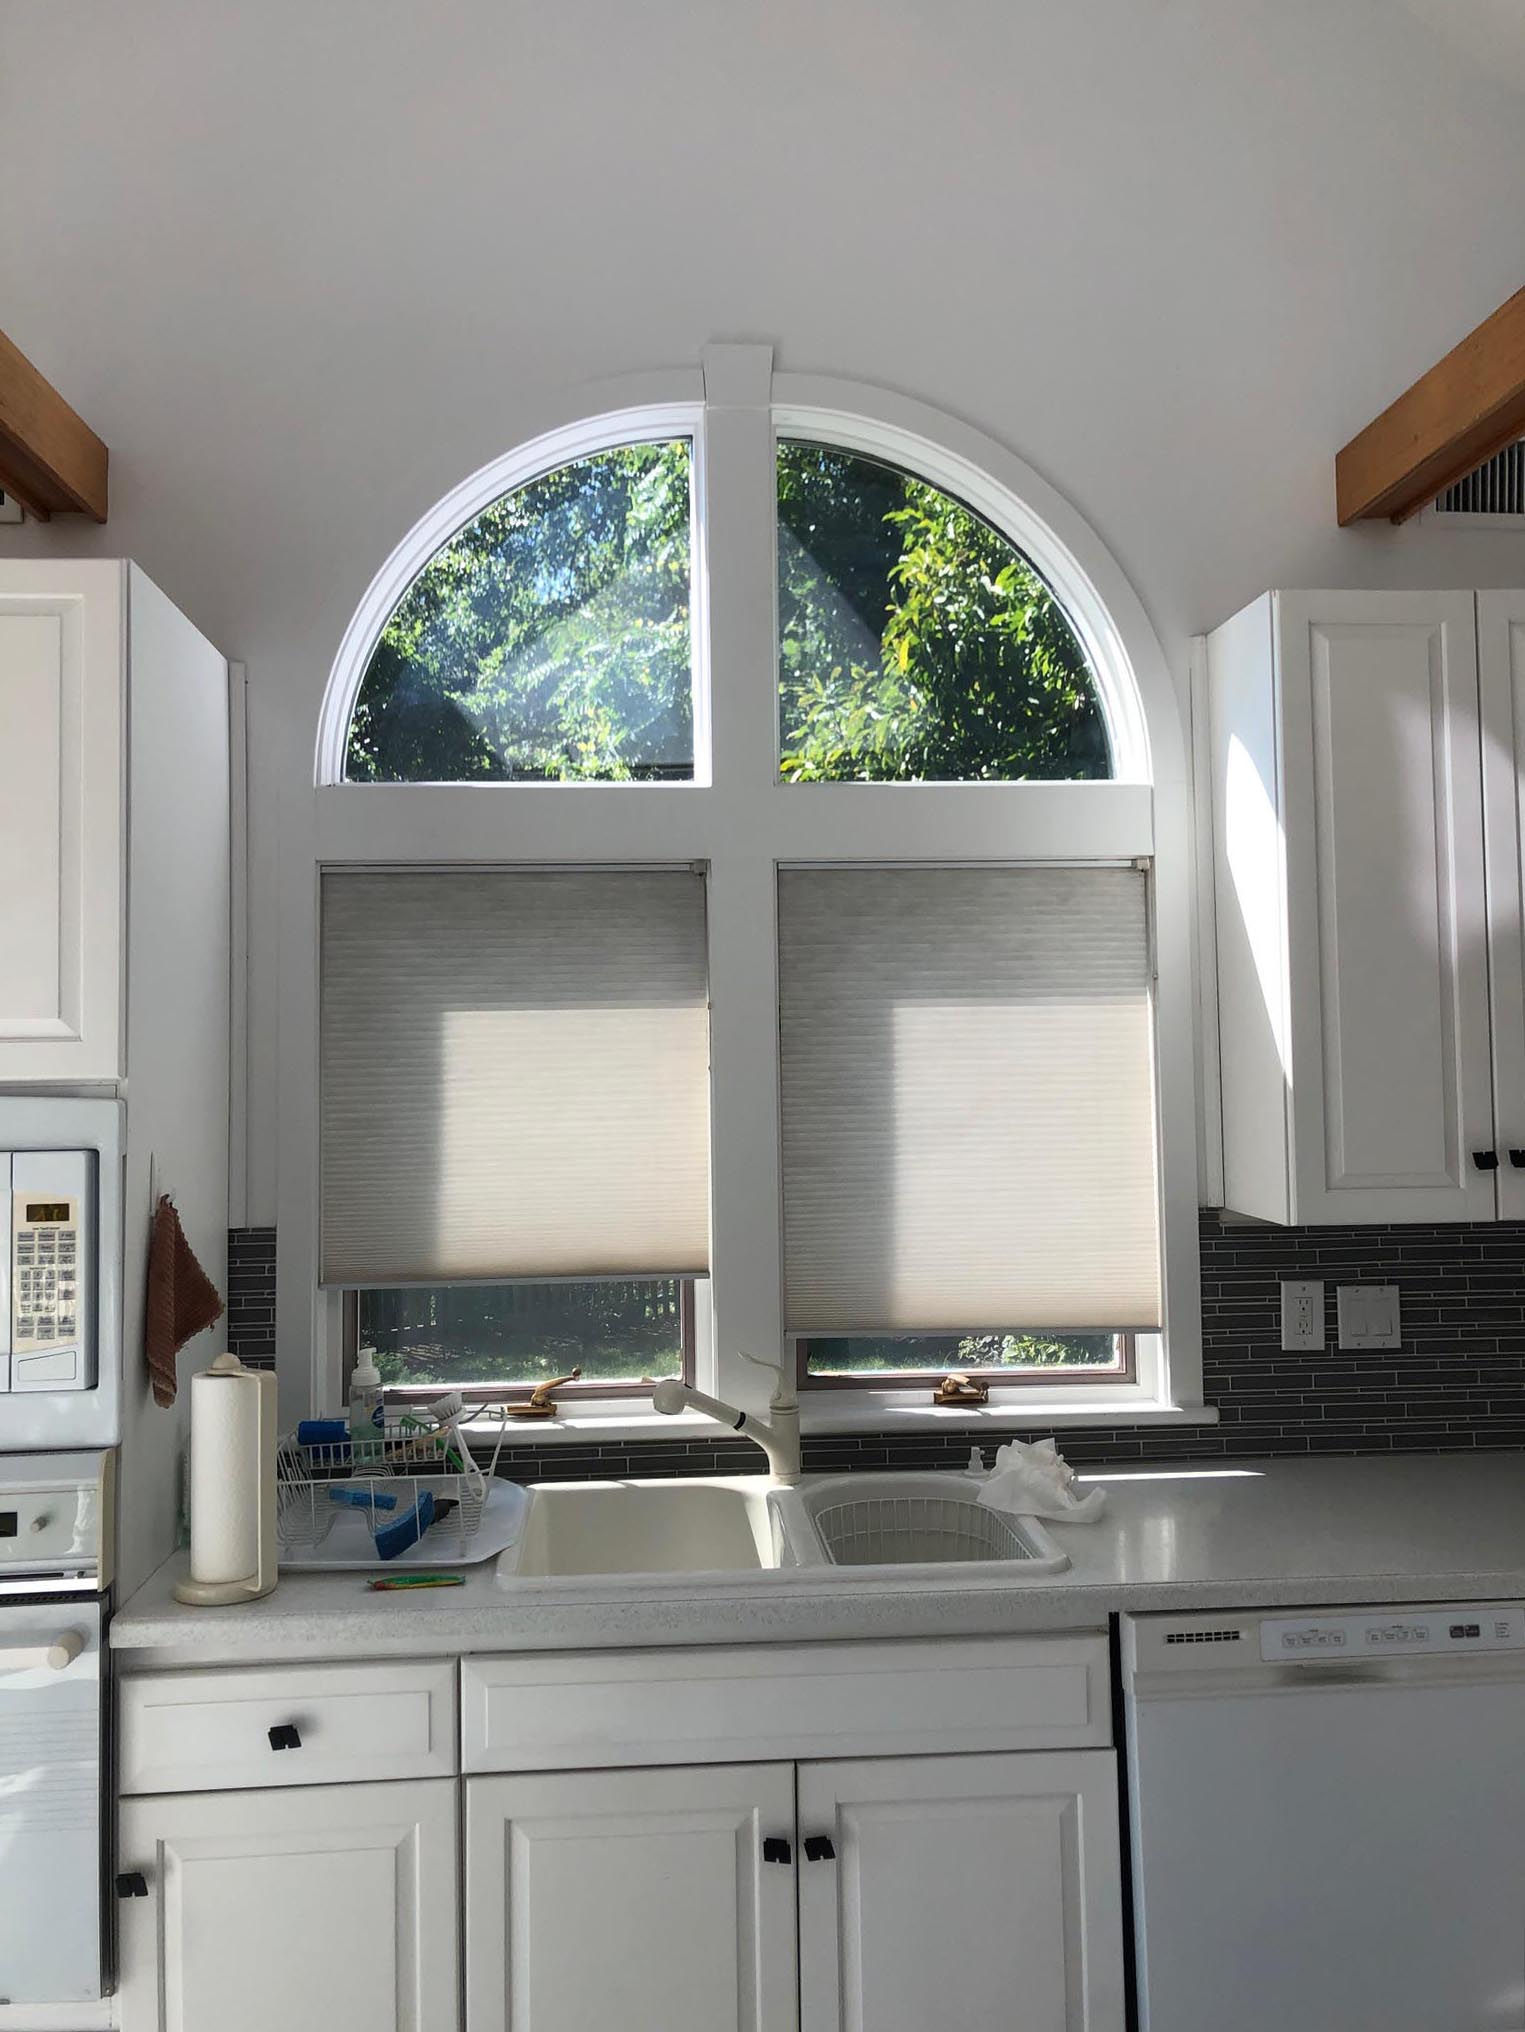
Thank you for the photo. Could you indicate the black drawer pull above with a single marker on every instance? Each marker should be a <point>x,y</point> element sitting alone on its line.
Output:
<point>285,1737</point>
<point>1486,1160</point>
<point>132,1884</point>
<point>1517,1159</point>
<point>776,1849</point>
<point>819,1849</point>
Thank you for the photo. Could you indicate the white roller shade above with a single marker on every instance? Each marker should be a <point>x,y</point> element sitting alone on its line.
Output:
<point>968,1100</point>
<point>514,1075</point>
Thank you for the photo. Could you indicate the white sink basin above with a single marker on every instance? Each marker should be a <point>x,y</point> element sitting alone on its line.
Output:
<point>916,1519</point>
<point>743,1524</point>
<point>677,1526</point>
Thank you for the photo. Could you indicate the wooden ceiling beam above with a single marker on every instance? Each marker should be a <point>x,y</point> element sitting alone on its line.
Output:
<point>1464,410</point>
<point>50,459</point>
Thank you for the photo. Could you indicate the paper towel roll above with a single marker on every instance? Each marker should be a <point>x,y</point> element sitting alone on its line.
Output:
<point>225,1472</point>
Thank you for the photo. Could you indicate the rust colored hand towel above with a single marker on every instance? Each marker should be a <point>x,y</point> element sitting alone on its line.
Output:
<point>182,1299</point>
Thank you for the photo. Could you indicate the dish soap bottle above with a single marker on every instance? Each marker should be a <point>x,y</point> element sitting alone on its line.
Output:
<point>366,1415</point>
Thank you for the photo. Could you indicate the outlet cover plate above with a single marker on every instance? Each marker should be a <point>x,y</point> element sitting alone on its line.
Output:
<point>1368,1316</point>
<point>1302,1316</point>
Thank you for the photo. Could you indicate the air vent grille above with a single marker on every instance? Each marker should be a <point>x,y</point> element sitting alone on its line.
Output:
<point>1204,1636</point>
<point>1497,487</point>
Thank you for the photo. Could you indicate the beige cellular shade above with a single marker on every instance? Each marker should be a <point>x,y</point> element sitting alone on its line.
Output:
<point>968,1100</point>
<point>514,1075</point>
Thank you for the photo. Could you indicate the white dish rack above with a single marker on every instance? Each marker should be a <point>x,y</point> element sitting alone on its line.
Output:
<point>332,1500</point>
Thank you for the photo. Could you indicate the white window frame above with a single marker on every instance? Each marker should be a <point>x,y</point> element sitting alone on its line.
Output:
<point>739,818</point>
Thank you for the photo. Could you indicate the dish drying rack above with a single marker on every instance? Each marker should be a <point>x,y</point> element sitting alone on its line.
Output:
<point>418,1448</point>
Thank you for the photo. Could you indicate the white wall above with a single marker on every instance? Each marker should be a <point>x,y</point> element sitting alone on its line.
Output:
<point>304,263</point>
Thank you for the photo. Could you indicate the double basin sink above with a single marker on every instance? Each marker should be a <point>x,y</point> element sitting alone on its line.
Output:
<point>746,1524</point>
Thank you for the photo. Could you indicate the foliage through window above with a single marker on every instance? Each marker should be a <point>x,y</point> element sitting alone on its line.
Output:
<point>998,1356</point>
<point>915,641</point>
<point>490,1337</point>
<point>548,640</point>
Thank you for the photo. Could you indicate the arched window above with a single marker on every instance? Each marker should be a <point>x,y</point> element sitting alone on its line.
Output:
<point>546,641</point>
<point>875,690</point>
<point>916,642</point>
<point>550,638</point>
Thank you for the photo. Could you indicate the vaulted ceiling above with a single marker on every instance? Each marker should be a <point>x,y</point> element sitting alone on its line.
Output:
<point>1491,32</point>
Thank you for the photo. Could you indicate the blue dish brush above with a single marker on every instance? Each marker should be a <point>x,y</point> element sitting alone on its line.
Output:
<point>407,1529</point>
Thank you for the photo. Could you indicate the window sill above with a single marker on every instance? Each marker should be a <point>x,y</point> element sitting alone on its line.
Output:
<point>871,1411</point>
<point>591,1423</point>
<point>614,1422</point>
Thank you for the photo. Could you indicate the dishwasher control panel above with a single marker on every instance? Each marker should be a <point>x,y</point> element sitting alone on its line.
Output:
<point>1402,1633</point>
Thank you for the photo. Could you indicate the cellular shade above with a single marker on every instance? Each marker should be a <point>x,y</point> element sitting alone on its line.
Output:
<point>514,1075</point>
<point>968,1100</point>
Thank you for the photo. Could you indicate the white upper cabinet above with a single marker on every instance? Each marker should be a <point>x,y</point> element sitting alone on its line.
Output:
<point>1501,672</point>
<point>96,667</point>
<point>62,750</point>
<point>1352,921</point>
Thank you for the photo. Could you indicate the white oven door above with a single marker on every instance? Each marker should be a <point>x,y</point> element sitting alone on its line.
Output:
<point>50,1801</point>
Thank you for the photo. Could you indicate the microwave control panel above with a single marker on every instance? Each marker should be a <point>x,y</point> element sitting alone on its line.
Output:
<point>46,1329</point>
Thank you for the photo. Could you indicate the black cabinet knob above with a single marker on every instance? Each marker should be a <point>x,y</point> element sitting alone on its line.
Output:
<point>1486,1160</point>
<point>776,1849</point>
<point>132,1884</point>
<point>819,1849</point>
<point>285,1737</point>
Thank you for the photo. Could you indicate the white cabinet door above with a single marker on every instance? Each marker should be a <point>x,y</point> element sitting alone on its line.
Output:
<point>61,717</point>
<point>1501,677</point>
<point>304,1911</point>
<point>1387,939</point>
<point>637,1900</point>
<point>966,1894</point>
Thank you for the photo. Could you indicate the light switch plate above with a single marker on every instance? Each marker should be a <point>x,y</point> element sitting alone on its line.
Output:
<point>1302,1316</point>
<point>1368,1315</point>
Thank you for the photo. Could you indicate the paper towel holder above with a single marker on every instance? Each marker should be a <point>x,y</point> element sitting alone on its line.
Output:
<point>220,1593</point>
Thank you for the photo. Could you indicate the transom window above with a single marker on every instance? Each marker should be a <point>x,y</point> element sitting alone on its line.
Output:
<point>548,641</point>
<point>916,642</point>
<point>843,1056</point>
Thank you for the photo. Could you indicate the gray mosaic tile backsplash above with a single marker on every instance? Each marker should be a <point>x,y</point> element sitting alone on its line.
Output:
<point>1457,1381</point>
<point>251,1296</point>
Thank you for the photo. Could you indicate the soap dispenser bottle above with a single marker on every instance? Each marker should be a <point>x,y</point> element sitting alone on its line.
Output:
<point>366,1416</point>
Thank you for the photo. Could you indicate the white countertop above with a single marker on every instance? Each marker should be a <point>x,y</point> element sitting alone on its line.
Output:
<point>1194,1536</point>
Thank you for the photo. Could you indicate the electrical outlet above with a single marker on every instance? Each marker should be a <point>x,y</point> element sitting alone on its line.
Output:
<point>1368,1315</point>
<point>1302,1316</point>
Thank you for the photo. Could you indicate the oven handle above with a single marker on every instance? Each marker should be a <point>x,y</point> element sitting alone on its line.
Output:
<point>57,1656</point>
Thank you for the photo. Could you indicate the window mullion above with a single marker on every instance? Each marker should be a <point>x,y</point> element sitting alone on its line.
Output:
<point>738,536</point>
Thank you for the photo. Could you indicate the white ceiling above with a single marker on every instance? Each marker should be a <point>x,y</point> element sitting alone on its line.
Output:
<point>1490,32</point>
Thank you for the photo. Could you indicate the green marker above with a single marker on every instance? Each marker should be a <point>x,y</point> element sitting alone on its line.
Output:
<point>412,1580</point>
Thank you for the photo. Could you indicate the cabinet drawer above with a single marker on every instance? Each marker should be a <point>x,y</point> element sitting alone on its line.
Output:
<point>738,1704</point>
<point>216,1731</point>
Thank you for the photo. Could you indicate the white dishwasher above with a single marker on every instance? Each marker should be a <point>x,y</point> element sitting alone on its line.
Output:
<point>1328,1819</point>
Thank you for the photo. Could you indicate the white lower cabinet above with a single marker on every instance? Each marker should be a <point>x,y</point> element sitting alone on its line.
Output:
<point>916,1886</point>
<point>632,1899</point>
<point>961,1894</point>
<point>935,1894</point>
<point>330,1909</point>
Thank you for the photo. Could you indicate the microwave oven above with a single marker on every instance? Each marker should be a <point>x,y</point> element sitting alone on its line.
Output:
<point>61,1163</point>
